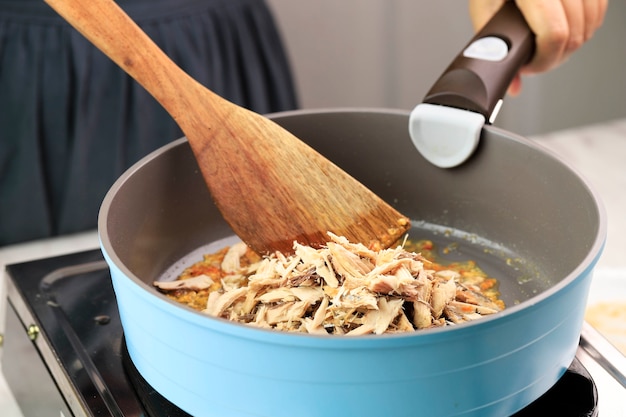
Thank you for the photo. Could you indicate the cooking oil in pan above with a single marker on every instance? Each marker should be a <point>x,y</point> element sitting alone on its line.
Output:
<point>518,278</point>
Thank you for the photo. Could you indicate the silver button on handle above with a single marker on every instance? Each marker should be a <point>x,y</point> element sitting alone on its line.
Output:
<point>489,48</point>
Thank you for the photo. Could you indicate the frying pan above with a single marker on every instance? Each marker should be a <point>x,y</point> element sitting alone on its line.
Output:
<point>527,218</point>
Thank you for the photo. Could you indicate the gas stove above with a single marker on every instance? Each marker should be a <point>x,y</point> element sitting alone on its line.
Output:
<point>62,320</point>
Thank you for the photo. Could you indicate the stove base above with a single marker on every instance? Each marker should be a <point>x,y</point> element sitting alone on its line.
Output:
<point>31,383</point>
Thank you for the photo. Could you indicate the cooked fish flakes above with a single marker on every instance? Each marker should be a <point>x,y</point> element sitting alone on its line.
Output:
<point>342,288</point>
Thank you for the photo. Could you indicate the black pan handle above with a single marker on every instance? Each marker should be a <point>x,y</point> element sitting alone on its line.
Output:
<point>479,76</point>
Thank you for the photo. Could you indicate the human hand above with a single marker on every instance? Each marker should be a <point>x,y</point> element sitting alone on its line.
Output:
<point>560,28</point>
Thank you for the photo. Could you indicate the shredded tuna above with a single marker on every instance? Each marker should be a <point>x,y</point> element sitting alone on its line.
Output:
<point>341,288</point>
<point>196,283</point>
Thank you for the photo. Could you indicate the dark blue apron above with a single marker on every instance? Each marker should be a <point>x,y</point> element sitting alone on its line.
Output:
<point>71,121</point>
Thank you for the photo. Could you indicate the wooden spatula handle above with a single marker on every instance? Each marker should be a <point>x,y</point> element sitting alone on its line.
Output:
<point>270,187</point>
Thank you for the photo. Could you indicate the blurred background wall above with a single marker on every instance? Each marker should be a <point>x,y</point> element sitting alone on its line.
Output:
<point>387,53</point>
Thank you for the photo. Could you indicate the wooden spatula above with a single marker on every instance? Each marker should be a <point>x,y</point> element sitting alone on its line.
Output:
<point>270,187</point>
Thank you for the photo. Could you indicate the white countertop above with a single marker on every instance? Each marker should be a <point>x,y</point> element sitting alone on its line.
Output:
<point>596,151</point>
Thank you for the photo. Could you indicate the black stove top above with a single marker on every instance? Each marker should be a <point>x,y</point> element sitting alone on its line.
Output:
<point>62,312</point>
